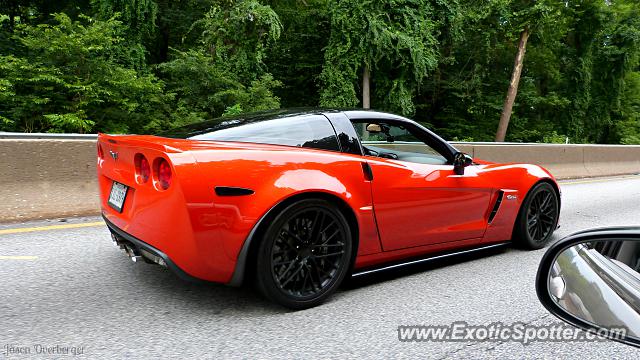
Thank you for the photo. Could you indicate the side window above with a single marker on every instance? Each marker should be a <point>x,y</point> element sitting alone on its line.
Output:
<point>396,142</point>
<point>312,131</point>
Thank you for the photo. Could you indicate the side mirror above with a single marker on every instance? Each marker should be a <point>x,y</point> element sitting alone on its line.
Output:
<point>461,161</point>
<point>591,280</point>
<point>374,128</point>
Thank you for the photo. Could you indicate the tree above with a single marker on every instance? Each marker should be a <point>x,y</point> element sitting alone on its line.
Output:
<point>297,58</point>
<point>71,79</point>
<point>143,65</point>
<point>202,89</point>
<point>465,97</point>
<point>513,86</point>
<point>237,36</point>
<point>174,21</point>
<point>227,73</point>
<point>31,12</point>
<point>138,15</point>
<point>527,15</point>
<point>139,18</point>
<point>393,44</point>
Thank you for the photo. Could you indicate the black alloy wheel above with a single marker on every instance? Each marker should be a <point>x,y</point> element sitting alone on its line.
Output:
<point>305,254</point>
<point>538,217</point>
<point>541,215</point>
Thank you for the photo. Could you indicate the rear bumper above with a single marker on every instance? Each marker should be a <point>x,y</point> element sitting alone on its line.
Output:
<point>141,247</point>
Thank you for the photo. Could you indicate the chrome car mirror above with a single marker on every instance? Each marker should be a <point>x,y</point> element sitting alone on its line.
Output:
<point>591,280</point>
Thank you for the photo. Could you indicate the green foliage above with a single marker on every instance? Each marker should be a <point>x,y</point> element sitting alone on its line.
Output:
<point>554,138</point>
<point>72,122</point>
<point>202,88</point>
<point>572,83</point>
<point>174,21</point>
<point>237,35</point>
<point>71,79</point>
<point>143,65</point>
<point>297,58</point>
<point>227,74</point>
<point>138,15</point>
<point>233,110</point>
<point>628,128</point>
<point>396,39</point>
<point>138,18</point>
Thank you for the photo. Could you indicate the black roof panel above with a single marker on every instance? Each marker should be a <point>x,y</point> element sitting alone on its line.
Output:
<point>224,122</point>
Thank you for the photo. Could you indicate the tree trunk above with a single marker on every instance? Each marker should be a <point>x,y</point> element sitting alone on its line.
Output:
<point>366,91</point>
<point>163,54</point>
<point>513,86</point>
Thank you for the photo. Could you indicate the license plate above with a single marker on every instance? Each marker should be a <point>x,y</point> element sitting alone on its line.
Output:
<point>117,196</point>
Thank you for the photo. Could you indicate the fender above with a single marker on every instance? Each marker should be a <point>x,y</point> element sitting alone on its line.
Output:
<point>272,180</point>
<point>509,178</point>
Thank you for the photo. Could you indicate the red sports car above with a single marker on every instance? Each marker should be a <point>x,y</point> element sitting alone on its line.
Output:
<point>296,200</point>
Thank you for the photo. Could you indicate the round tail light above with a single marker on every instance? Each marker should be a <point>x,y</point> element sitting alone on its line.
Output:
<point>143,169</point>
<point>163,174</point>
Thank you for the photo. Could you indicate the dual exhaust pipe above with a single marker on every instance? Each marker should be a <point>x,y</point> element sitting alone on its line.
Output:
<point>132,254</point>
<point>137,255</point>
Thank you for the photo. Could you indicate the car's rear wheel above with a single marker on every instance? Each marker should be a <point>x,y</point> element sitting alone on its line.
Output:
<point>538,217</point>
<point>304,254</point>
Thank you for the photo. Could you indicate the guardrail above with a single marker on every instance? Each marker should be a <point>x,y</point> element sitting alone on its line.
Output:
<point>54,175</point>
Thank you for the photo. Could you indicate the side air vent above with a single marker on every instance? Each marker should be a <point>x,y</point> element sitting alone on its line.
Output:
<point>232,191</point>
<point>496,206</point>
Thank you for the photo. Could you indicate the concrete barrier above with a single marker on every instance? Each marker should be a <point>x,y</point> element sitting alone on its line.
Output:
<point>563,161</point>
<point>43,178</point>
<point>610,160</point>
<point>53,175</point>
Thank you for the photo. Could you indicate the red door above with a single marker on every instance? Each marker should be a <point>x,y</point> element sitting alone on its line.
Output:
<point>423,204</point>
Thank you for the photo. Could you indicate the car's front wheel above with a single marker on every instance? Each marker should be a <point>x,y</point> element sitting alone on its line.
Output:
<point>304,254</point>
<point>538,217</point>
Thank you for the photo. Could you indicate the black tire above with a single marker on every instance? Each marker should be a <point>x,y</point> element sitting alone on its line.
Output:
<point>538,217</point>
<point>304,255</point>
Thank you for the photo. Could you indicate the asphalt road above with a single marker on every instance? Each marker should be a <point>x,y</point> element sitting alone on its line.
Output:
<point>72,287</point>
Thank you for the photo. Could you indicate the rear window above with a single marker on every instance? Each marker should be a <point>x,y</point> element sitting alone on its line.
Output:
<point>311,131</point>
